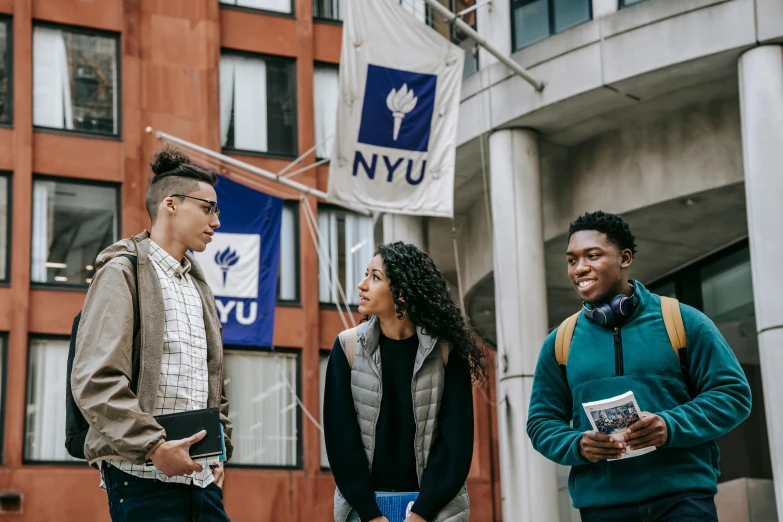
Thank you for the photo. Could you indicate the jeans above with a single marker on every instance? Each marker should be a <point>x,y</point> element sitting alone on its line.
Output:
<point>690,506</point>
<point>134,499</point>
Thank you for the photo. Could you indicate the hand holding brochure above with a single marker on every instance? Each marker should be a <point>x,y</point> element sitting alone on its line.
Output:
<point>613,417</point>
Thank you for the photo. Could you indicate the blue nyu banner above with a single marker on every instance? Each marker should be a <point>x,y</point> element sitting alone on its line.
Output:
<point>241,263</point>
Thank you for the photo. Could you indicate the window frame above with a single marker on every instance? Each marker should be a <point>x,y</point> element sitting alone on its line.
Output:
<point>297,300</point>
<point>474,54</point>
<point>514,4</point>
<point>9,33</point>
<point>3,390</point>
<point>687,279</point>
<point>428,15</point>
<point>622,4</point>
<point>254,10</point>
<point>293,93</point>
<point>88,31</point>
<point>300,431</point>
<point>69,287</point>
<point>324,65</point>
<point>6,281</point>
<point>25,461</point>
<point>321,353</point>
<point>329,305</point>
<point>316,18</point>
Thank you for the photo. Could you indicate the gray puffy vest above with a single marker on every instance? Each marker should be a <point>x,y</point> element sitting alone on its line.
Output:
<point>427,388</point>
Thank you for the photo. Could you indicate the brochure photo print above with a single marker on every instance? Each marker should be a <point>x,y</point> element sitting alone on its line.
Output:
<point>613,417</point>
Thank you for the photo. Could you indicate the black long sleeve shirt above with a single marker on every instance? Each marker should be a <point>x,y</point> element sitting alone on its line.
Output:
<point>394,459</point>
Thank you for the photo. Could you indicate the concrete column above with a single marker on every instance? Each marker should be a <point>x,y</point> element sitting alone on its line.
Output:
<point>494,25</point>
<point>603,8</point>
<point>761,105</point>
<point>399,227</point>
<point>528,480</point>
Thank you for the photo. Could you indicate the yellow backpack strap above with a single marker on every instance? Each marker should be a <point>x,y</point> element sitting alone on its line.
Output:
<point>672,318</point>
<point>444,352</point>
<point>563,339</point>
<point>350,343</point>
<point>675,328</point>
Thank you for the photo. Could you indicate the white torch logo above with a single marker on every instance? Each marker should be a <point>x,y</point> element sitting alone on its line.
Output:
<point>400,103</point>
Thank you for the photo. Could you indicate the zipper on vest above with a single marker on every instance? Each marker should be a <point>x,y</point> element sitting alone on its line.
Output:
<point>618,352</point>
<point>416,423</point>
<point>377,371</point>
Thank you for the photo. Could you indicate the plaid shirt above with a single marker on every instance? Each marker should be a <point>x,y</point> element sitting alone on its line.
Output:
<point>183,373</point>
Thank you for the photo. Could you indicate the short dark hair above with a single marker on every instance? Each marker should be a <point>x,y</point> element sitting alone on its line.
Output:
<point>173,174</point>
<point>616,230</point>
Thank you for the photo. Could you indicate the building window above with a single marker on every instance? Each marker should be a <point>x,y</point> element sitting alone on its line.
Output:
<point>258,104</point>
<point>727,288</point>
<point>418,9</point>
<point>461,39</point>
<point>720,286</point>
<point>277,6</point>
<point>5,228</point>
<point>335,9</point>
<point>329,9</point>
<point>45,415</point>
<point>75,83</point>
<point>263,410</point>
<point>3,360</point>
<point>72,223</point>
<point>326,91</point>
<point>6,72</point>
<point>535,20</point>
<point>288,275</point>
<point>324,360</point>
<point>457,37</point>
<point>348,239</point>
<point>629,3</point>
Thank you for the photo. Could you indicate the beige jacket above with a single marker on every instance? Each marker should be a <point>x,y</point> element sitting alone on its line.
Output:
<point>121,422</point>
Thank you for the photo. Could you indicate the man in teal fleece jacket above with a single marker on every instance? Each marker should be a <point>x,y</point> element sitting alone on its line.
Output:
<point>677,481</point>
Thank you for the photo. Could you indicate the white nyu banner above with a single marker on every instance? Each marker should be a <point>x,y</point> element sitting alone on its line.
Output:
<point>395,140</point>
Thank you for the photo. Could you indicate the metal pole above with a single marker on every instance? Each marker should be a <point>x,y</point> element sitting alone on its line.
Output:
<point>473,35</point>
<point>261,172</point>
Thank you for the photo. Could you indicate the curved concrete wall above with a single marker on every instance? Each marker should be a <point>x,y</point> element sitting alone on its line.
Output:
<point>642,164</point>
<point>670,156</point>
<point>649,49</point>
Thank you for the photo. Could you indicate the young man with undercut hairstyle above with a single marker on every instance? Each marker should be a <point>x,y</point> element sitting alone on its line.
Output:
<point>622,340</point>
<point>149,343</point>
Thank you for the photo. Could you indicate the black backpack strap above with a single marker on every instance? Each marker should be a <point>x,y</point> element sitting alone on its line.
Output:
<point>136,322</point>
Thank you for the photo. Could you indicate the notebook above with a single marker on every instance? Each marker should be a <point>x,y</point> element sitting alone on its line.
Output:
<point>182,425</point>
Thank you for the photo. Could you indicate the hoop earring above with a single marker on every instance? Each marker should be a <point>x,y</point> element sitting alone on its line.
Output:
<point>401,315</point>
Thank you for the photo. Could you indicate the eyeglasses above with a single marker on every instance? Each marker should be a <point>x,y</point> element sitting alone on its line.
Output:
<point>213,207</point>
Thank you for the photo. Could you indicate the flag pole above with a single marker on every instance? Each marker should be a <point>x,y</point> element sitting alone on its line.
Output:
<point>258,171</point>
<point>473,35</point>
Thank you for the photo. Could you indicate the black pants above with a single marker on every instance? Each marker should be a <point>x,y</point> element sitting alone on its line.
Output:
<point>690,506</point>
<point>134,499</point>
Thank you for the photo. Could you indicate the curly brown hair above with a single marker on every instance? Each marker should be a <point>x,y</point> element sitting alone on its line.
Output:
<point>420,290</point>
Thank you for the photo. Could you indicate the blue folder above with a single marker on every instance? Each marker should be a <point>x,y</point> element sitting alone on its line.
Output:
<point>393,505</point>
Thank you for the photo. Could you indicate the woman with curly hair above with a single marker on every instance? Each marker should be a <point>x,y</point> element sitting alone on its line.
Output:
<point>398,407</point>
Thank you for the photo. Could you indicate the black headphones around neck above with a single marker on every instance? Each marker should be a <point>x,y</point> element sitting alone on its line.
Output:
<point>614,312</point>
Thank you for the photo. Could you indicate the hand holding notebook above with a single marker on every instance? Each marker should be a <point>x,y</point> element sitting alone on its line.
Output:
<point>190,435</point>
